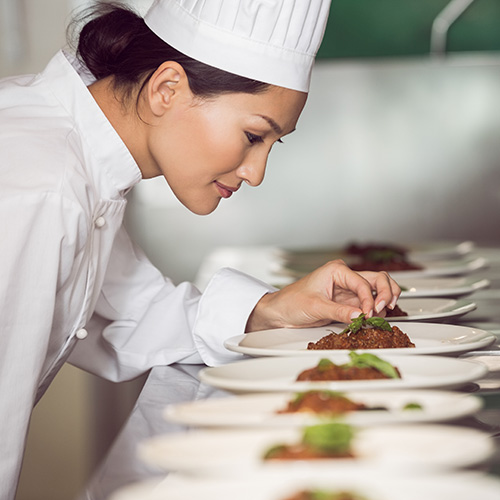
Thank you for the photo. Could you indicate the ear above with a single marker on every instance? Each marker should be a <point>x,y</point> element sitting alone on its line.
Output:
<point>167,84</point>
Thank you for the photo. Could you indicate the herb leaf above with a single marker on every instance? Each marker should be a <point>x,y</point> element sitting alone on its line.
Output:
<point>362,321</point>
<point>412,406</point>
<point>371,361</point>
<point>324,364</point>
<point>379,323</point>
<point>333,437</point>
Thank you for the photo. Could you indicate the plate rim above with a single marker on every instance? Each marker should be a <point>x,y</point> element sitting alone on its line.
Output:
<point>232,344</point>
<point>477,371</point>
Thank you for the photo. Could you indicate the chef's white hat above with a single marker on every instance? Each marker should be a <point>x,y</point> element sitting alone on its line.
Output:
<point>273,41</point>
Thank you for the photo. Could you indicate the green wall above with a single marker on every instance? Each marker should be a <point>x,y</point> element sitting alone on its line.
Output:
<point>396,28</point>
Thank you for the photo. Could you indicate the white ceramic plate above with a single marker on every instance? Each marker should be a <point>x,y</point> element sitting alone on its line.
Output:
<point>443,268</point>
<point>262,409</point>
<point>456,286</point>
<point>237,452</point>
<point>370,485</point>
<point>428,268</point>
<point>433,308</point>
<point>429,338</point>
<point>415,251</point>
<point>280,373</point>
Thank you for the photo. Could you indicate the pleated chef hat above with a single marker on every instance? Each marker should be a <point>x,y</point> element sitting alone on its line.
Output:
<point>273,41</point>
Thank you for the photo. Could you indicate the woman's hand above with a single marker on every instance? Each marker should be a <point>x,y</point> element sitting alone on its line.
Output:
<point>333,292</point>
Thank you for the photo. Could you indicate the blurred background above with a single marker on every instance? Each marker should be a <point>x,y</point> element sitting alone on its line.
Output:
<point>399,141</point>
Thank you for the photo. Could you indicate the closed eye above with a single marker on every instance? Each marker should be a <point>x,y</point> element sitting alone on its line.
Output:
<point>252,138</point>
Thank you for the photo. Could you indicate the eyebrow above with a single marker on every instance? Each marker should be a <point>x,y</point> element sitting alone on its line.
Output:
<point>273,124</point>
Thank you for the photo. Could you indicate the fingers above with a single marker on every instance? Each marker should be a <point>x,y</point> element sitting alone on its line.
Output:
<point>386,290</point>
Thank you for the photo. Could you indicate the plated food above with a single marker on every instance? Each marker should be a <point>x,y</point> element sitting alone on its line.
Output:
<point>379,257</point>
<point>387,256</point>
<point>429,338</point>
<point>361,408</point>
<point>364,333</point>
<point>269,374</point>
<point>317,442</point>
<point>416,448</point>
<point>365,366</point>
<point>364,483</point>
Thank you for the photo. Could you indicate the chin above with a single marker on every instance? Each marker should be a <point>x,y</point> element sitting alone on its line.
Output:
<point>203,209</point>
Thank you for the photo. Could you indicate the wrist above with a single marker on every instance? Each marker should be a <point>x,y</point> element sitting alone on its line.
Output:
<point>261,317</point>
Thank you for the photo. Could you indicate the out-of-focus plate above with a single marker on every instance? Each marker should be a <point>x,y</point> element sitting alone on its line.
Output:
<point>455,286</point>
<point>443,268</point>
<point>316,256</point>
<point>418,448</point>
<point>429,338</point>
<point>279,374</point>
<point>430,308</point>
<point>261,410</point>
<point>280,485</point>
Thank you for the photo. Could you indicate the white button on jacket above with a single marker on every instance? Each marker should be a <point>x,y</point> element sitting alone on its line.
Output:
<point>100,221</point>
<point>66,260</point>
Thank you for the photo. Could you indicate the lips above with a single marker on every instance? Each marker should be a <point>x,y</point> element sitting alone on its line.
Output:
<point>225,191</point>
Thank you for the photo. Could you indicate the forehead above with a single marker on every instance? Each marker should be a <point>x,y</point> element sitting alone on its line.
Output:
<point>277,106</point>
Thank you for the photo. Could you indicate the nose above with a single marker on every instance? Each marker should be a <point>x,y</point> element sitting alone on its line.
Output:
<point>253,169</point>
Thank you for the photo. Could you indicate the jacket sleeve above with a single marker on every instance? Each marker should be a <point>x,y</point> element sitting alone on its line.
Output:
<point>142,319</point>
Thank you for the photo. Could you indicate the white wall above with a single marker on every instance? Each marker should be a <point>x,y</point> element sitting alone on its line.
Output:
<point>399,150</point>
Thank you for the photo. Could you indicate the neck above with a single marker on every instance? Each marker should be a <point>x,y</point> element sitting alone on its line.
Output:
<point>124,118</point>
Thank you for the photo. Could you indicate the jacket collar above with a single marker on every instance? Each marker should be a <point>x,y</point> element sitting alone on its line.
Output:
<point>69,80</point>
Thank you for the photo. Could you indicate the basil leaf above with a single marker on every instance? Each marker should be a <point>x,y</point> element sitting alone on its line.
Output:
<point>371,361</point>
<point>324,364</point>
<point>412,406</point>
<point>333,437</point>
<point>379,323</point>
<point>355,325</point>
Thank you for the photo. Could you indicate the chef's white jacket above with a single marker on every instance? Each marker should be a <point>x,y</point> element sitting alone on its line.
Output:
<point>72,284</point>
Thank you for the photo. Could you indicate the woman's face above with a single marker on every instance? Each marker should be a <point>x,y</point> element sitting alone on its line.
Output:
<point>206,149</point>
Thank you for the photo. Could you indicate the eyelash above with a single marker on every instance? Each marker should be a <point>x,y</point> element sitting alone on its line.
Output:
<point>254,139</point>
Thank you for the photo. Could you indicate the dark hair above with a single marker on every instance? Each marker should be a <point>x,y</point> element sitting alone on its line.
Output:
<point>115,41</point>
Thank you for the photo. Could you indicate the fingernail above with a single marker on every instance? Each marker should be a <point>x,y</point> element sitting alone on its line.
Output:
<point>380,306</point>
<point>355,314</point>
<point>392,305</point>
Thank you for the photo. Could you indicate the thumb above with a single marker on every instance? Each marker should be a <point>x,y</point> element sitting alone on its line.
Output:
<point>343,313</point>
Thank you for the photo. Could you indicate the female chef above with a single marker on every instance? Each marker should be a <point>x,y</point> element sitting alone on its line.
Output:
<point>197,92</point>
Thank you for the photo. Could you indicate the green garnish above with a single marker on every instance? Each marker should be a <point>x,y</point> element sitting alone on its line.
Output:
<point>324,364</point>
<point>386,255</point>
<point>368,360</point>
<point>327,495</point>
<point>412,406</point>
<point>274,450</point>
<point>332,437</point>
<point>362,321</point>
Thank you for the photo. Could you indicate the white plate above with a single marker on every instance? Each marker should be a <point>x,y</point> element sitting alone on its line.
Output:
<point>370,485</point>
<point>262,409</point>
<point>443,268</point>
<point>280,373</point>
<point>429,338</point>
<point>441,287</point>
<point>429,268</point>
<point>419,448</point>
<point>414,251</point>
<point>431,308</point>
